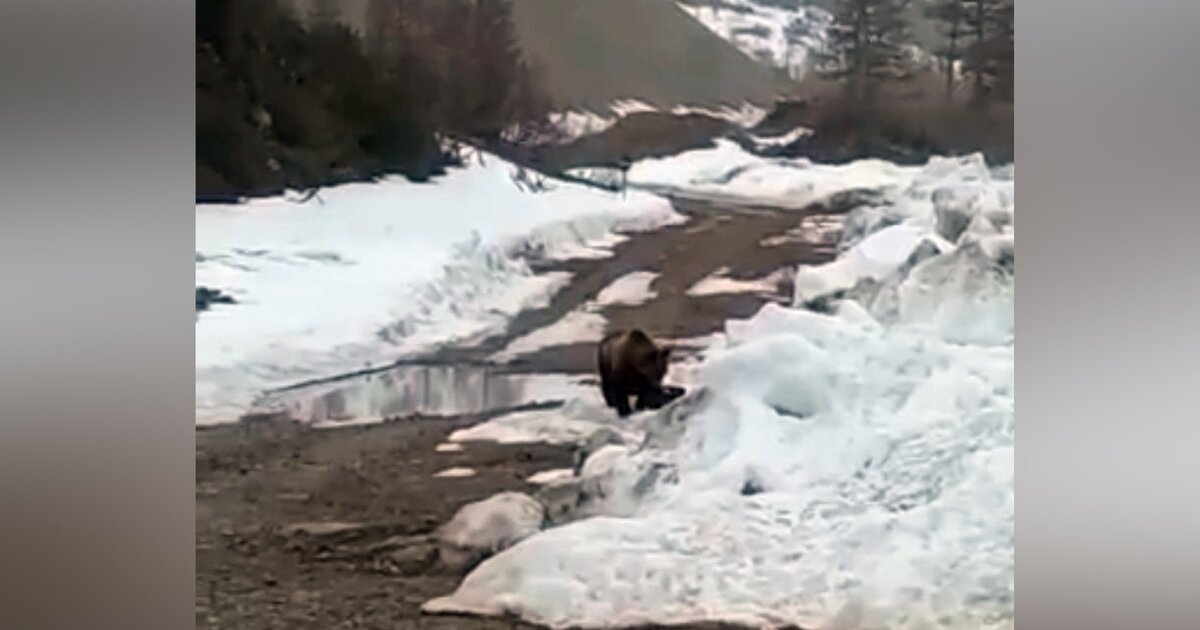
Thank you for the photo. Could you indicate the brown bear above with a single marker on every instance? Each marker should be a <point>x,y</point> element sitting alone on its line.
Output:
<point>630,364</point>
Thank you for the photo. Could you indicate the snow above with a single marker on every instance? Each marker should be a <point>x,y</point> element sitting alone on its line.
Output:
<point>578,326</point>
<point>719,282</point>
<point>455,473</point>
<point>568,424</point>
<point>448,448</point>
<point>572,124</point>
<point>820,229</point>
<point>584,324</point>
<point>729,172</point>
<point>787,38</point>
<point>630,289</point>
<point>369,272</point>
<point>625,107</point>
<point>845,469</point>
<point>782,140</point>
<point>549,477</point>
<point>876,257</point>
<point>747,115</point>
<point>947,205</point>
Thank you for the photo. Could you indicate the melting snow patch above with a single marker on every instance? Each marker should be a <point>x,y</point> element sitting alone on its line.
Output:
<point>547,477</point>
<point>819,229</point>
<point>630,289</point>
<point>448,448</point>
<point>575,327</point>
<point>455,473</point>
<point>762,143</point>
<point>719,282</point>
<point>569,424</point>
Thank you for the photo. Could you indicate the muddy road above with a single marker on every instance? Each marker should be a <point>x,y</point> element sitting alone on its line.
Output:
<point>299,527</point>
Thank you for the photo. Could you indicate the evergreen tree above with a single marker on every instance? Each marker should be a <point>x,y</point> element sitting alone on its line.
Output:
<point>867,47</point>
<point>978,16</point>
<point>951,18</point>
<point>989,58</point>
<point>324,12</point>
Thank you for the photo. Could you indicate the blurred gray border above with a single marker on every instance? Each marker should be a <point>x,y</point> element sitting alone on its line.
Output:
<point>96,382</point>
<point>1107,370</point>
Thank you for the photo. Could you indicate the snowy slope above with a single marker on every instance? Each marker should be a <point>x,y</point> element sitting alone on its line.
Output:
<point>786,35</point>
<point>769,32</point>
<point>852,469</point>
<point>366,273</point>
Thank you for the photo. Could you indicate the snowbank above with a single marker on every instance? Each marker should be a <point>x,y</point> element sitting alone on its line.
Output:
<point>844,469</point>
<point>728,171</point>
<point>365,273</point>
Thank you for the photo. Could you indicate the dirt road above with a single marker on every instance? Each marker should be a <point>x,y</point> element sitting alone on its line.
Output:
<point>304,528</point>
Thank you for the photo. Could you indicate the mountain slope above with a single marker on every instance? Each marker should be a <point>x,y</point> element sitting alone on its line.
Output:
<point>592,52</point>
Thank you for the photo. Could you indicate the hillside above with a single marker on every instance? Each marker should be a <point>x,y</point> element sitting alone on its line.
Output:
<point>595,51</point>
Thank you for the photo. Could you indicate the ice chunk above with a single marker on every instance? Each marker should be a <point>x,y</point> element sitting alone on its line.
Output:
<point>965,297</point>
<point>546,477</point>
<point>955,207</point>
<point>482,528</point>
<point>877,256</point>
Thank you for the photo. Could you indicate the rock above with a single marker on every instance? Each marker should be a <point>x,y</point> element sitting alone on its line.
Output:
<point>479,530</point>
<point>206,297</point>
<point>751,487</point>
